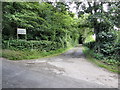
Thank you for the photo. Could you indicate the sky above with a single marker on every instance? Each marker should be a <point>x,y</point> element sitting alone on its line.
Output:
<point>73,7</point>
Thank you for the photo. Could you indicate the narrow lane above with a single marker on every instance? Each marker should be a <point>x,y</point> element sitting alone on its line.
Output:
<point>15,76</point>
<point>68,70</point>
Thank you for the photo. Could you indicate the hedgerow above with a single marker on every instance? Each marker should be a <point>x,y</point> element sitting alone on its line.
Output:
<point>29,45</point>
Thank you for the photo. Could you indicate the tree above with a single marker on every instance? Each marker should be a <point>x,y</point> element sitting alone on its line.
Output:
<point>43,21</point>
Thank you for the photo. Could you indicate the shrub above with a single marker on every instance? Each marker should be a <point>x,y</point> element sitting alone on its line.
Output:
<point>90,45</point>
<point>29,45</point>
<point>107,48</point>
<point>98,56</point>
<point>107,36</point>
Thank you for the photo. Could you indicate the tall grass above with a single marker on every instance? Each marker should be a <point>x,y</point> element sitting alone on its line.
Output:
<point>30,54</point>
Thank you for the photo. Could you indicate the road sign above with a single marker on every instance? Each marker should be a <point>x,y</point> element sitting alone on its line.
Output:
<point>21,31</point>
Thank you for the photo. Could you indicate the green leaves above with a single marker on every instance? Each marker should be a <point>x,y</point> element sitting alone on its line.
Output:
<point>30,45</point>
<point>43,21</point>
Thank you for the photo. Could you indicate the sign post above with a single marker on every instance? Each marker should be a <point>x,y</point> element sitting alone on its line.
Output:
<point>21,31</point>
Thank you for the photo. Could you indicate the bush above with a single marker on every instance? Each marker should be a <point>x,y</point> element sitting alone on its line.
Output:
<point>90,45</point>
<point>29,45</point>
<point>107,48</point>
<point>98,56</point>
<point>106,36</point>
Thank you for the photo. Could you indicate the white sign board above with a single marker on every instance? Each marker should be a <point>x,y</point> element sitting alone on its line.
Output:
<point>21,31</point>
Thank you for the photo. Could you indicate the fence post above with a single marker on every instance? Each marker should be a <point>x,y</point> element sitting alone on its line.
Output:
<point>32,46</point>
<point>8,45</point>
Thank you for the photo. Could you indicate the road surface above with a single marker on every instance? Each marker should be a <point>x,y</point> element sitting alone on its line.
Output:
<point>68,70</point>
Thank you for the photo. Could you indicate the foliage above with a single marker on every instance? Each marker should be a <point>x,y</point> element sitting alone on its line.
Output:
<point>53,27</point>
<point>89,38</point>
<point>106,46</point>
<point>43,21</point>
<point>109,64</point>
<point>90,45</point>
<point>30,45</point>
<point>30,54</point>
<point>84,27</point>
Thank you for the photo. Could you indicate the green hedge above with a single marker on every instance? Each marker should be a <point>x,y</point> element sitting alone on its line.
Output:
<point>29,45</point>
<point>90,44</point>
<point>107,48</point>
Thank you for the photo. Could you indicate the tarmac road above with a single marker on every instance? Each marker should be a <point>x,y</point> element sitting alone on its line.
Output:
<point>68,70</point>
<point>19,77</point>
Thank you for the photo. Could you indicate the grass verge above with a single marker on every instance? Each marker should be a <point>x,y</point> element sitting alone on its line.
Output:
<point>31,54</point>
<point>89,56</point>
